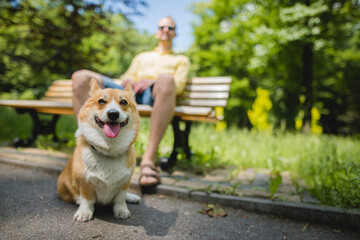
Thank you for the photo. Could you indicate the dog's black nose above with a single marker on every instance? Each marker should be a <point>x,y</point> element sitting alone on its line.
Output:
<point>113,114</point>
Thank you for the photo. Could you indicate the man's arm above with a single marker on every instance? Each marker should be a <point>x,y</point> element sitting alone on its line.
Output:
<point>181,74</point>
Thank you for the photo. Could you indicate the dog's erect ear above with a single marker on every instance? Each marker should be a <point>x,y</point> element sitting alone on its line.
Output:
<point>129,89</point>
<point>93,86</point>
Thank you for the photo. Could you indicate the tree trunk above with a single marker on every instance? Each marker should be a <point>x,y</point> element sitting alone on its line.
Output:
<point>307,80</point>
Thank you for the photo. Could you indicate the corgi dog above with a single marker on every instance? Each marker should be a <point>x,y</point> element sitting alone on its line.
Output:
<point>103,161</point>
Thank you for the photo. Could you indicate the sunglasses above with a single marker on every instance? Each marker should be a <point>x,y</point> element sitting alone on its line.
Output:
<point>170,28</point>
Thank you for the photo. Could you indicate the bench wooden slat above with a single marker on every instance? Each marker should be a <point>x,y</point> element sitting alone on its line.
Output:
<point>185,102</point>
<point>145,110</point>
<point>67,93</point>
<point>203,103</point>
<point>56,111</point>
<point>196,111</point>
<point>59,88</point>
<point>195,80</point>
<point>34,104</point>
<point>207,88</point>
<point>67,97</point>
<point>200,119</point>
<point>59,94</point>
<point>62,82</point>
<point>55,99</point>
<point>205,95</point>
<point>56,92</point>
<point>210,80</point>
<point>40,106</point>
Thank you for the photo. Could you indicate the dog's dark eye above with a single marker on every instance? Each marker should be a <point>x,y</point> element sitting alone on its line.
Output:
<point>123,102</point>
<point>102,101</point>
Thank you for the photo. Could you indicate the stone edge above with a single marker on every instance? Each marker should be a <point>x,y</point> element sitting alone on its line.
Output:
<point>332,216</point>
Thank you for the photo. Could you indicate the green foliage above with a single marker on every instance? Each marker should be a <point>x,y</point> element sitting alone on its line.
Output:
<point>329,165</point>
<point>263,44</point>
<point>274,183</point>
<point>13,125</point>
<point>43,40</point>
<point>200,162</point>
<point>335,173</point>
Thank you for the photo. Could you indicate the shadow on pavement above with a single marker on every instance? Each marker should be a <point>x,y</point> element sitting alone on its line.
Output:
<point>155,222</point>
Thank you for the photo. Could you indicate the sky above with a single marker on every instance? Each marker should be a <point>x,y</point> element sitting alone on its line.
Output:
<point>178,10</point>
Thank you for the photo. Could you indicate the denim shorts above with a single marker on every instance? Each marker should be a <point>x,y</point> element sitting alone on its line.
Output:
<point>141,98</point>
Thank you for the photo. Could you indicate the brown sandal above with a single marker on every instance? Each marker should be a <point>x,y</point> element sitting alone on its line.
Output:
<point>149,188</point>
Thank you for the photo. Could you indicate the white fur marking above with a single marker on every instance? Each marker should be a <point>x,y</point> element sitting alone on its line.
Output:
<point>107,146</point>
<point>120,208</point>
<point>132,198</point>
<point>85,211</point>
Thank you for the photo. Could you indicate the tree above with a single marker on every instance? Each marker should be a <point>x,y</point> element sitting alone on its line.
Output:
<point>292,48</point>
<point>43,40</point>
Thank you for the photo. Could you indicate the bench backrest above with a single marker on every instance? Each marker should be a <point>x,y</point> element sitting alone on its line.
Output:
<point>210,92</point>
<point>206,92</point>
<point>199,91</point>
<point>59,91</point>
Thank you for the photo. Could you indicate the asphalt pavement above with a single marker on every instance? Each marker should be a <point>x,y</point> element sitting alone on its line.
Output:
<point>31,209</point>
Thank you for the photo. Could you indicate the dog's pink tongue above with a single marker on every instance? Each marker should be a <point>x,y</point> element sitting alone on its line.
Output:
<point>111,130</point>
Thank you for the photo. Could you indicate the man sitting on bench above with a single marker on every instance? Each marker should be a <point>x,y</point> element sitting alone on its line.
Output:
<point>156,77</point>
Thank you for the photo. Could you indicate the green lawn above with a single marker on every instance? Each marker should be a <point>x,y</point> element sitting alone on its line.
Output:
<point>329,165</point>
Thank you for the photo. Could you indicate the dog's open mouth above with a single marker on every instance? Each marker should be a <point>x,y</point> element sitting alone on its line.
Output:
<point>111,129</point>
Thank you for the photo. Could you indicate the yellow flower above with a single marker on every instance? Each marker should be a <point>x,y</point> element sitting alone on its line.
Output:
<point>315,117</point>
<point>258,115</point>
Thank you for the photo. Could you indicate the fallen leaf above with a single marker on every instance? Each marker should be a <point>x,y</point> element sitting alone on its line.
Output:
<point>212,211</point>
<point>304,228</point>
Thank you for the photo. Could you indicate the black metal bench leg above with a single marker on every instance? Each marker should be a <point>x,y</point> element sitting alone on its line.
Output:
<point>185,145</point>
<point>39,127</point>
<point>181,144</point>
<point>52,127</point>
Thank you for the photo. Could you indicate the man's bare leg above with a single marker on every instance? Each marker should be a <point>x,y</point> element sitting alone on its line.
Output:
<point>164,94</point>
<point>81,87</point>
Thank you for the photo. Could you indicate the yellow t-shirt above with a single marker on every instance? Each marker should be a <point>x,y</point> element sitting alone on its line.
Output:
<point>150,65</point>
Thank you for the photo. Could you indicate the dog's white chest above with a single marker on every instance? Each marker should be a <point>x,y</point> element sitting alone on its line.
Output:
<point>107,174</point>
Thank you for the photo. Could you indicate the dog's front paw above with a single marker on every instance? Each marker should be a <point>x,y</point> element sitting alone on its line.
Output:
<point>132,198</point>
<point>122,213</point>
<point>83,215</point>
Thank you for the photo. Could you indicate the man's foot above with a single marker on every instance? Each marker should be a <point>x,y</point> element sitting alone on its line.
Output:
<point>149,176</point>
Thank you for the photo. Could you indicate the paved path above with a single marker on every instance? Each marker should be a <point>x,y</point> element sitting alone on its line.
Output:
<point>30,209</point>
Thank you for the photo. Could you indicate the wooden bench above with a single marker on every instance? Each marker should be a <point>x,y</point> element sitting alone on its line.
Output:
<point>198,102</point>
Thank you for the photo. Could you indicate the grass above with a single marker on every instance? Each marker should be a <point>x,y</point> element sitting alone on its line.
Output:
<point>329,165</point>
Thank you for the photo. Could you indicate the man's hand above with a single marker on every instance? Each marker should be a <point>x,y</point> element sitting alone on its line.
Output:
<point>141,85</point>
